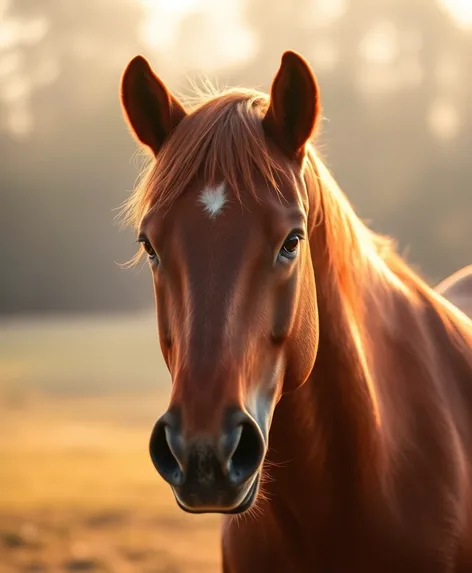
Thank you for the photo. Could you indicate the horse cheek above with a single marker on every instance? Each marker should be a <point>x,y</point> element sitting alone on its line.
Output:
<point>302,343</point>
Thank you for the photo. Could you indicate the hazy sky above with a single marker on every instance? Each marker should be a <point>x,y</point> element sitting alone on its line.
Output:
<point>224,20</point>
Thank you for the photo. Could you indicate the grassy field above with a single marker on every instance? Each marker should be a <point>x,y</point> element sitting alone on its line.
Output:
<point>78,492</point>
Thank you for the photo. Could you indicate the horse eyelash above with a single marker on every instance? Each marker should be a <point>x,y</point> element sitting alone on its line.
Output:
<point>297,231</point>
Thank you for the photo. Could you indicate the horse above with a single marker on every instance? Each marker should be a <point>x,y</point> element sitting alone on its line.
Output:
<point>321,395</point>
<point>457,288</point>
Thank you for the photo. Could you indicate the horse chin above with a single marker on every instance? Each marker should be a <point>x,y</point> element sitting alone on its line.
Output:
<point>243,506</point>
<point>248,501</point>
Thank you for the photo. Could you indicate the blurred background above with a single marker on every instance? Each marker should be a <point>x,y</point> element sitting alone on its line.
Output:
<point>81,377</point>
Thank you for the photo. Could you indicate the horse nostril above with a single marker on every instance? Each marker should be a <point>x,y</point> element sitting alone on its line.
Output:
<point>247,453</point>
<point>163,449</point>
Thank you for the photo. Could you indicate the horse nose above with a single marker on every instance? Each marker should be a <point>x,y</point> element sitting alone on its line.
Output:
<point>241,445</point>
<point>167,449</point>
<point>232,456</point>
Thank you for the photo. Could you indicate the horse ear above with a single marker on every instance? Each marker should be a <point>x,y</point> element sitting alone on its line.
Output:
<point>151,110</point>
<point>294,106</point>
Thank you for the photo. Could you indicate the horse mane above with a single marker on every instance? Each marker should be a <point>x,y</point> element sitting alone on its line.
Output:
<point>222,138</point>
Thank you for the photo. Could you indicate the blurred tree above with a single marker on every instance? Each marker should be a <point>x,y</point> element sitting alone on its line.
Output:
<point>61,184</point>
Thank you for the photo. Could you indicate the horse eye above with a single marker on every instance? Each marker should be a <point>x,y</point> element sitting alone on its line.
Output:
<point>290,247</point>
<point>149,250</point>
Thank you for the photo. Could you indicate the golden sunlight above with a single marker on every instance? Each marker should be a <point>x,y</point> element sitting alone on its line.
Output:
<point>213,37</point>
<point>460,11</point>
<point>162,17</point>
